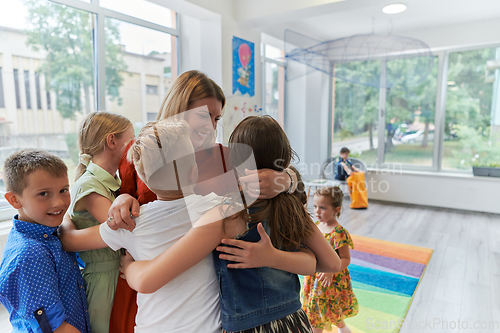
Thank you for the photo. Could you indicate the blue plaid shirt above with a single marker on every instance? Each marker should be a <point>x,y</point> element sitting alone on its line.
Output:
<point>37,273</point>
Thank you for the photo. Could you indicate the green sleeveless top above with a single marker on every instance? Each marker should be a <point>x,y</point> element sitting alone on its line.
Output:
<point>101,266</point>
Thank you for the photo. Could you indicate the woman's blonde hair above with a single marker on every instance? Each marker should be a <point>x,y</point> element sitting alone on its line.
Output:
<point>189,87</point>
<point>334,194</point>
<point>93,132</point>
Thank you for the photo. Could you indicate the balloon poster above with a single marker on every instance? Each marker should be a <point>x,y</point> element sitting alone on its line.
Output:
<point>243,67</point>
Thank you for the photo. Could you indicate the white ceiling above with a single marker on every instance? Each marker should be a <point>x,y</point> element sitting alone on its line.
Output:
<point>327,20</point>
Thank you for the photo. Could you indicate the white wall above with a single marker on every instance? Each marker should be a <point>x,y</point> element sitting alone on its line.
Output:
<point>465,192</point>
<point>471,33</point>
<point>206,45</point>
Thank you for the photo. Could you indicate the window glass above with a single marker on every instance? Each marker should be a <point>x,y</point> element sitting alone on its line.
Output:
<point>410,111</point>
<point>275,88</point>
<point>355,114</point>
<point>38,93</point>
<point>50,77</point>
<point>472,121</point>
<point>136,76</point>
<point>2,100</point>
<point>151,90</point>
<point>142,9</point>
<point>27,89</point>
<point>274,53</point>
<point>17,90</point>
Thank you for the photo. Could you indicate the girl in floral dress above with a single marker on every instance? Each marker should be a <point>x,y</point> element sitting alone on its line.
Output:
<point>327,298</point>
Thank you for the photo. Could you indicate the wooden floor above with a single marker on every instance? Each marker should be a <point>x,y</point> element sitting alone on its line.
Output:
<point>462,281</point>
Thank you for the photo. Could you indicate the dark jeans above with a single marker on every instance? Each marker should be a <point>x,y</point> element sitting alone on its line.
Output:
<point>340,173</point>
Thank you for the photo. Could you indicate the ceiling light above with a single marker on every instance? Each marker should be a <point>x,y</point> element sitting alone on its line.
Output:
<point>394,9</point>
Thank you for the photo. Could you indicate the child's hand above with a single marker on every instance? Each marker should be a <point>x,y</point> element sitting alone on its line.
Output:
<point>248,254</point>
<point>126,260</point>
<point>326,279</point>
<point>264,183</point>
<point>121,212</point>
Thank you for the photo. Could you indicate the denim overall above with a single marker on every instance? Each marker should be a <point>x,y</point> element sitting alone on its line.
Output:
<point>254,296</point>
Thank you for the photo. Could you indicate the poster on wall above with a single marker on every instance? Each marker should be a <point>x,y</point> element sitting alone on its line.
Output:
<point>243,67</point>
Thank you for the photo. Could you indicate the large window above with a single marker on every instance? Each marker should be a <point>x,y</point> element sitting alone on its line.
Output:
<point>446,117</point>
<point>61,60</point>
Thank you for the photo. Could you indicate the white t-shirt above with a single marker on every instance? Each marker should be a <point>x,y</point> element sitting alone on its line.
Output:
<point>190,302</point>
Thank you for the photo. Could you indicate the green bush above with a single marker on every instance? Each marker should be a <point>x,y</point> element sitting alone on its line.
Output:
<point>478,148</point>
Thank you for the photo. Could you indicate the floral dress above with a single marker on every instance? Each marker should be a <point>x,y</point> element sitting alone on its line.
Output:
<point>328,306</point>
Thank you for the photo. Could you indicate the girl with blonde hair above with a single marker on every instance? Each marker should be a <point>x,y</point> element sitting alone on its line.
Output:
<point>328,298</point>
<point>102,139</point>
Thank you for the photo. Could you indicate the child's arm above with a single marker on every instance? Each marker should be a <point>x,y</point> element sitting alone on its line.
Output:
<point>346,168</point>
<point>75,240</point>
<point>326,279</point>
<point>81,240</point>
<point>327,258</point>
<point>96,205</point>
<point>345,257</point>
<point>66,328</point>
<point>148,276</point>
<point>264,254</point>
<point>30,292</point>
<point>260,254</point>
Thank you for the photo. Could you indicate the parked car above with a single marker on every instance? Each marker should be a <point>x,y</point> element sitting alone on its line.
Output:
<point>400,132</point>
<point>416,136</point>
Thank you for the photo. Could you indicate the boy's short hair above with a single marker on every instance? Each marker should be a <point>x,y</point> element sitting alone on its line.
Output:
<point>21,164</point>
<point>344,150</point>
<point>162,149</point>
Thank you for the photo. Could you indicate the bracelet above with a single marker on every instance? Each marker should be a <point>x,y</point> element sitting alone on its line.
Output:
<point>290,189</point>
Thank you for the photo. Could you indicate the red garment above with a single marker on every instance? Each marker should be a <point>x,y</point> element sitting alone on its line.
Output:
<point>211,164</point>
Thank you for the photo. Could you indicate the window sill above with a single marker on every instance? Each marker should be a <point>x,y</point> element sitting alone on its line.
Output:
<point>439,174</point>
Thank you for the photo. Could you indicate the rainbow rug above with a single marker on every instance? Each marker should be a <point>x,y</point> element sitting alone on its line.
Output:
<point>384,276</point>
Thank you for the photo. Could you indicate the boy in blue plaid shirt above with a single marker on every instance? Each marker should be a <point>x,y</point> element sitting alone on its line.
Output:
<point>40,284</point>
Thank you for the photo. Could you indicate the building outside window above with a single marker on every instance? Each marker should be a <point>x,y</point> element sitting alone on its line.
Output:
<point>53,85</point>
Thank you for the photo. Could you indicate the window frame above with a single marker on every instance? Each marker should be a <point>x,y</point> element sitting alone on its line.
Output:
<point>101,14</point>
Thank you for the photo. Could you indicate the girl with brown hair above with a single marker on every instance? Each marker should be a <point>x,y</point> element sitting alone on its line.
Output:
<point>253,299</point>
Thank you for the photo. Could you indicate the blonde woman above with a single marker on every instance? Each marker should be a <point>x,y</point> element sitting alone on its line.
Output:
<point>102,140</point>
